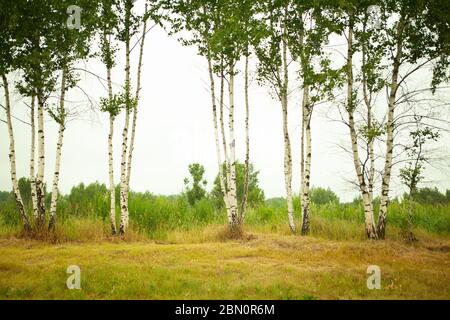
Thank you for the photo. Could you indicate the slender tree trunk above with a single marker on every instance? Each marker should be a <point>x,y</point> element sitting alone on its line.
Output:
<point>32,159</point>
<point>112,186</point>
<point>368,205</point>
<point>216,138</point>
<point>123,177</point>
<point>112,115</point>
<point>370,143</point>
<point>371,159</point>
<point>124,215</point>
<point>40,192</point>
<point>61,120</point>
<point>287,143</point>
<point>410,236</point>
<point>247,145</point>
<point>136,100</point>
<point>386,178</point>
<point>307,113</point>
<point>222,130</point>
<point>12,159</point>
<point>232,186</point>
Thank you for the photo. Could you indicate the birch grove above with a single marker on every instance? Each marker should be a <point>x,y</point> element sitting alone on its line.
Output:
<point>223,52</point>
<point>119,22</point>
<point>364,76</point>
<point>404,35</point>
<point>40,57</point>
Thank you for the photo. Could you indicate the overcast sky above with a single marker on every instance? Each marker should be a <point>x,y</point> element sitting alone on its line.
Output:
<point>175,129</point>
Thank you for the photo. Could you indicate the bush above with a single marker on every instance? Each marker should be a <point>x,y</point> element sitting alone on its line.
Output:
<point>323,196</point>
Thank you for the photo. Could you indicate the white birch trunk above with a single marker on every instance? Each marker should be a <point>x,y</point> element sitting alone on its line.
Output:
<point>247,145</point>
<point>40,192</point>
<point>54,196</point>
<point>216,138</point>
<point>232,164</point>
<point>307,114</point>
<point>112,115</point>
<point>224,138</point>
<point>386,178</point>
<point>32,158</point>
<point>12,159</point>
<point>287,143</point>
<point>368,205</point>
<point>136,99</point>
<point>123,164</point>
<point>112,187</point>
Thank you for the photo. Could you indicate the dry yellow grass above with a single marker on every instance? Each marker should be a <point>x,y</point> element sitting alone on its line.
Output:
<point>204,264</point>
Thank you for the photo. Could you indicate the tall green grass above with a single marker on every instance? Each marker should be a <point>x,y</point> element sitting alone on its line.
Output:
<point>86,209</point>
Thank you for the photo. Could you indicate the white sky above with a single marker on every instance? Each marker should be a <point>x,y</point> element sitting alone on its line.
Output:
<point>175,129</point>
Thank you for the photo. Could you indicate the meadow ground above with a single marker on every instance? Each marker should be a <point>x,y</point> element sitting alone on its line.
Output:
<point>202,264</point>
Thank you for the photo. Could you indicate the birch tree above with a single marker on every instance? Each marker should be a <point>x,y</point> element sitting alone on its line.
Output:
<point>415,40</point>
<point>111,104</point>
<point>273,70</point>
<point>7,54</point>
<point>309,30</point>
<point>45,46</point>
<point>220,30</point>
<point>22,50</point>
<point>403,39</point>
<point>12,156</point>
<point>411,174</point>
<point>70,46</point>
<point>129,25</point>
<point>370,227</point>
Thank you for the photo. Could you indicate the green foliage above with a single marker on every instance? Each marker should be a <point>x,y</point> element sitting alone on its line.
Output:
<point>411,175</point>
<point>156,216</point>
<point>431,196</point>
<point>323,196</point>
<point>255,193</point>
<point>195,185</point>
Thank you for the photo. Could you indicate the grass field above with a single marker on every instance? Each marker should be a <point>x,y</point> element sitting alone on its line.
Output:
<point>261,265</point>
<point>174,250</point>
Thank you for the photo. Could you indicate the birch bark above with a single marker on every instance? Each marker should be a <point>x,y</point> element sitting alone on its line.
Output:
<point>370,143</point>
<point>287,144</point>
<point>61,120</point>
<point>307,113</point>
<point>12,158</point>
<point>32,158</point>
<point>136,100</point>
<point>123,165</point>
<point>247,145</point>
<point>368,205</point>
<point>40,192</point>
<point>222,129</point>
<point>386,178</point>
<point>112,187</point>
<point>216,138</point>
<point>232,164</point>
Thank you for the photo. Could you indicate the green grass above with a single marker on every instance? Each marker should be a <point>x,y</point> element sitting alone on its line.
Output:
<point>85,210</point>
<point>260,266</point>
<point>176,251</point>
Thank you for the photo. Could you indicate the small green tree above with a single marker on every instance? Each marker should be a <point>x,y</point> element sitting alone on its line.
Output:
<point>323,196</point>
<point>411,175</point>
<point>255,194</point>
<point>195,184</point>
